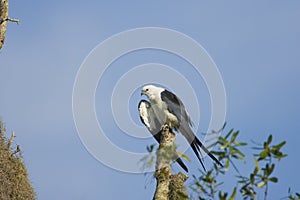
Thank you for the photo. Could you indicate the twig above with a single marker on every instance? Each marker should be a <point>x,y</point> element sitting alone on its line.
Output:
<point>13,20</point>
<point>11,140</point>
<point>17,150</point>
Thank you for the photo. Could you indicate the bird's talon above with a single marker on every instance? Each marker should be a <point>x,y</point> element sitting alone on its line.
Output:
<point>165,127</point>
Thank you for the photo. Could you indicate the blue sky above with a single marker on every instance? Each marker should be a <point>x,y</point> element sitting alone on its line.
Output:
<point>254,44</point>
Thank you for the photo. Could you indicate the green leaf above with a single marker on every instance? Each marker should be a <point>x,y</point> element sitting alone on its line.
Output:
<point>231,150</point>
<point>224,143</point>
<point>257,148</point>
<point>222,196</point>
<point>235,134</point>
<point>238,152</point>
<point>240,143</point>
<point>228,134</point>
<point>233,194</point>
<point>269,139</point>
<point>150,148</point>
<point>150,162</point>
<point>184,156</point>
<point>261,184</point>
<point>281,156</point>
<point>269,169</point>
<point>257,168</point>
<point>274,179</point>
<point>227,164</point>
<point>218,153</point>
<point>278,146</point>
<point>242,179</point>
<point>262,155</point>
<point>252,179</point>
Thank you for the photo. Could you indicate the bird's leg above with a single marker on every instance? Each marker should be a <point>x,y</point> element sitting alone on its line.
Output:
<point>167,137</point>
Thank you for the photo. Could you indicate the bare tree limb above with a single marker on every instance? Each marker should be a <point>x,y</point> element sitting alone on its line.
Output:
<point>3,20</point>
<point>163,169</point>
<point>13,20</point>
<point>177,188</point>
<point>168,187</point>
<point>11,140</point>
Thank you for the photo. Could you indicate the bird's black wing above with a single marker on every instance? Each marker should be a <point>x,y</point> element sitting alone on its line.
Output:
<point>175,106</point>
<point>148,119</point>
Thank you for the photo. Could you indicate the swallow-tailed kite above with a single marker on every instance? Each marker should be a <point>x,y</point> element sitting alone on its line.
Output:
<point>166,108</point>
<point>150,121</point>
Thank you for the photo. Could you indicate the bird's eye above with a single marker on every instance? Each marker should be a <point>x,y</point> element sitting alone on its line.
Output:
<point>147,90</point>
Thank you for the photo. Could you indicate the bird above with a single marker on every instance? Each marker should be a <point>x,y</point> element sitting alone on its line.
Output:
<point>167,108</point>
<point>150,121</point>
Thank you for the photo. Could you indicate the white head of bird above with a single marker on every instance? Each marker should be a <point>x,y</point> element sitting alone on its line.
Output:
<point>152,92</point>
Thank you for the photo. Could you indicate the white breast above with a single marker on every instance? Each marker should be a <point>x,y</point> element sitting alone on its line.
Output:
<point>163,115</point>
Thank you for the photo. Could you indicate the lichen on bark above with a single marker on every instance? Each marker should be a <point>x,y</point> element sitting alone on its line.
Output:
<point>3,20</point>
<point>14,181</point>
<point>168,187</point>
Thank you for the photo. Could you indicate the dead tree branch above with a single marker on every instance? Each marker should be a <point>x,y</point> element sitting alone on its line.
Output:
<point>11,140</point>
<point>3,20</point>
<point>168,187</point>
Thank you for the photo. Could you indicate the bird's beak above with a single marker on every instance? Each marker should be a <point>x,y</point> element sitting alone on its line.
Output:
<point>142,93</point>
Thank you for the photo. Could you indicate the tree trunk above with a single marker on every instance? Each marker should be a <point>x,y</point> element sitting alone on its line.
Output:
<point>168,187</point>
<point>3,20</point>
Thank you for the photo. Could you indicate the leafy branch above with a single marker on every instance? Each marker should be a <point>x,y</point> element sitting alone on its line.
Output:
<point>265,158</point>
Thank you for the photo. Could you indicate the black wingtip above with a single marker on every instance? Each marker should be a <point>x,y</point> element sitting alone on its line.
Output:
<point>195,149</point>
<point>182,165</point>
<point>197,141</point>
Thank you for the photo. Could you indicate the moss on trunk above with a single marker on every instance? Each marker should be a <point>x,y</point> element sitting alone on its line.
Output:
<point>14,182</point>
<point>168,187</point>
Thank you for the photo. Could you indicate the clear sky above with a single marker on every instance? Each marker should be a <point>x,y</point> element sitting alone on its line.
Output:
<point>256,46</point>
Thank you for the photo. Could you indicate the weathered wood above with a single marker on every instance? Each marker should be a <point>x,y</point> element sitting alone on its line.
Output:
<point>163,169</point>
<point>177,187</point>
<point>168,187</point>
<point>3,20</point>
